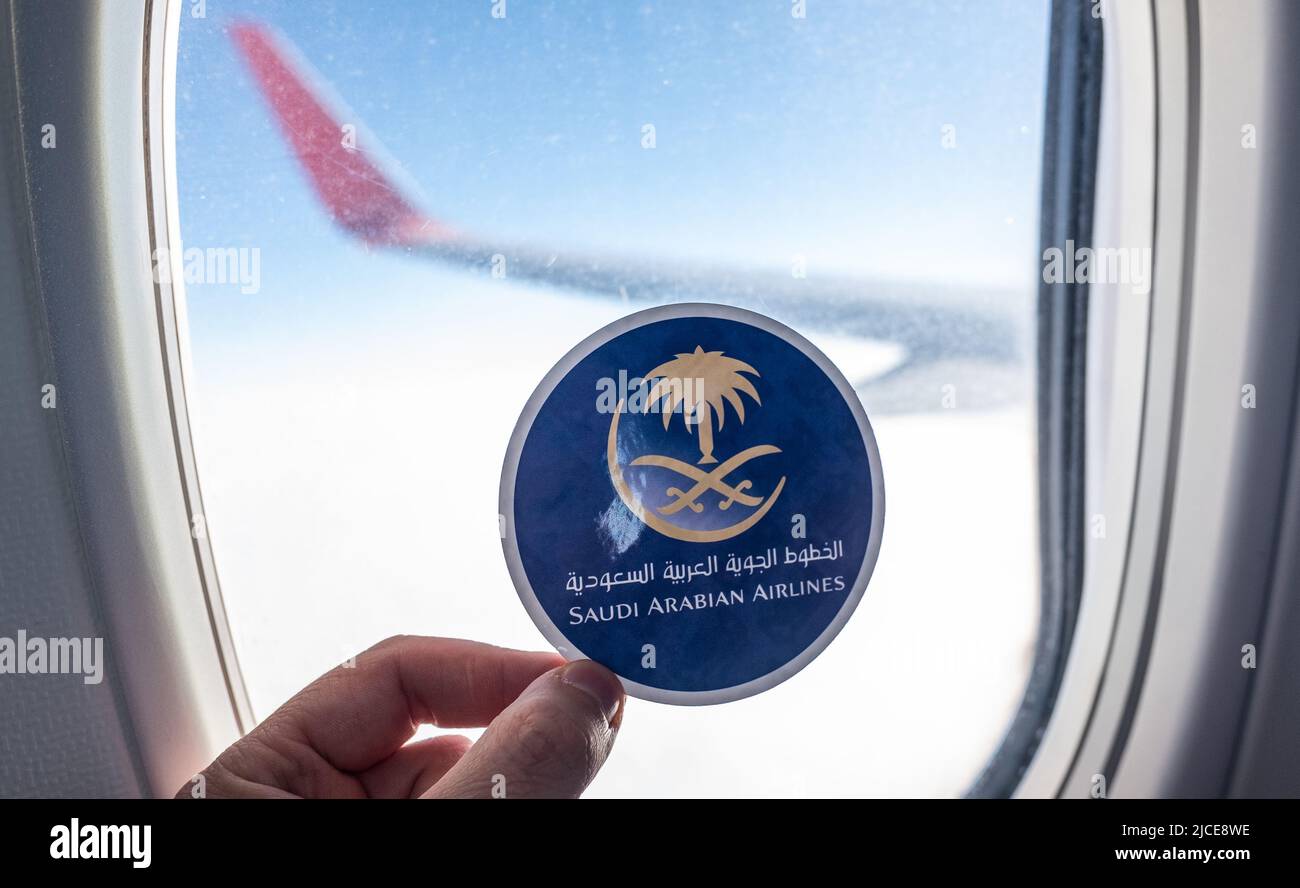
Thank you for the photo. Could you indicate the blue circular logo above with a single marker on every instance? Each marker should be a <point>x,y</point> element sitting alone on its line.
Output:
<point>693,498</point>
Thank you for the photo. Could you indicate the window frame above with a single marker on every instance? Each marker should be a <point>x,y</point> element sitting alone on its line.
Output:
<point>1157,701</point>
<point>99,210</point>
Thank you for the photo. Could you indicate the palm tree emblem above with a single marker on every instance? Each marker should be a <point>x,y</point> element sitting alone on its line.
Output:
<point>703,383</point>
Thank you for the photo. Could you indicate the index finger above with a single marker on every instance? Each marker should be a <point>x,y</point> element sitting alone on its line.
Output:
<point>356,716</point>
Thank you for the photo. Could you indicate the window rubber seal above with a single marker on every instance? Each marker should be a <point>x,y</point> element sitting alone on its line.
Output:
<point>1070,146</point>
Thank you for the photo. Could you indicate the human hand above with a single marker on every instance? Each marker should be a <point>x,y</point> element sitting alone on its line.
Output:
<point>550,727</point>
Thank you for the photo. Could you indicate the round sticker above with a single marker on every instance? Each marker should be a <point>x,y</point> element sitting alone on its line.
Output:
<point>693,498</point>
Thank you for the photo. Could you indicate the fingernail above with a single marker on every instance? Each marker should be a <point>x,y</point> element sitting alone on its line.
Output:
<point>597,682</point>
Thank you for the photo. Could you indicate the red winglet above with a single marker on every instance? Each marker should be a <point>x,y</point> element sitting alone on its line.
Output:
<point>360,198</point>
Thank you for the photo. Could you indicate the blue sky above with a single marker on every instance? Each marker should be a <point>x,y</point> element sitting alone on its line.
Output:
<point>775,136</point>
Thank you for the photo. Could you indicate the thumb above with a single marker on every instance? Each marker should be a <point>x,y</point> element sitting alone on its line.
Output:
<point>549,743</point>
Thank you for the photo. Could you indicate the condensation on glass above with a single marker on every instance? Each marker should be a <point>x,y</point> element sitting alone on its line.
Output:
<point>397,218</point>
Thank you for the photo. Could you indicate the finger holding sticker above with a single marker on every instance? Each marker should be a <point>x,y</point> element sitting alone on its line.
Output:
<point>693,498</point>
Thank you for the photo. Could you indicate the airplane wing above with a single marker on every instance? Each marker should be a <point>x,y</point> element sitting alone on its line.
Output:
<point>976,336</point>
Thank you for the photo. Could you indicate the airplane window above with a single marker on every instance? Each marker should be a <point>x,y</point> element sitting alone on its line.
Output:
<point>397,217</point>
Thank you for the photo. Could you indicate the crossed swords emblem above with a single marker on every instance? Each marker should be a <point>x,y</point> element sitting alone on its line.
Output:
<point>714,480</point>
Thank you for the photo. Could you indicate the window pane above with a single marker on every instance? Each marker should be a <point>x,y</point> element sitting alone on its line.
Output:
<point>866,172</point>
